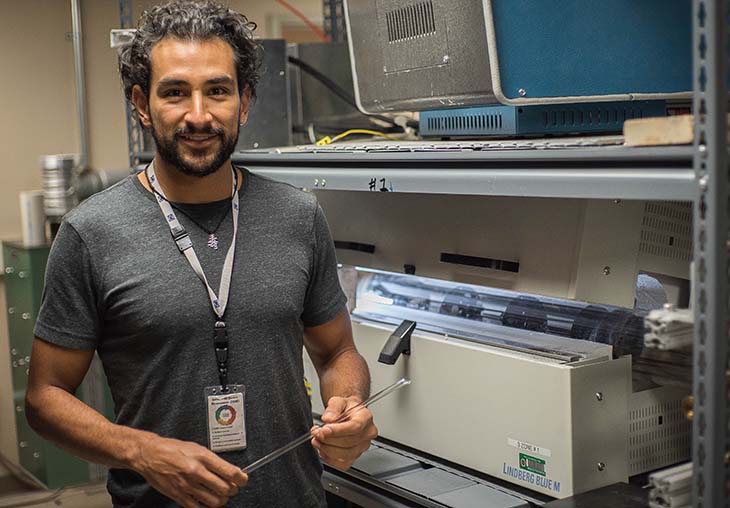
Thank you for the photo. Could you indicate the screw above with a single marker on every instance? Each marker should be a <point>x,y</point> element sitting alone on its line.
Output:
<point>15,364</point>
<point>13,351</point>
<point>23,444</point>
<point>606,270</point>
<point>256,144</point>
<point>703,183</point>
<point>21,362</point>
<point>599,396</point>
<point>18,409</point>
<point>703,150</point>
<point>9,270</point>
<point>22,275</point>
<point>446,58</point>
<point>281,73</point>
<point>11,310</point>
<point>316,182</point>
<point>324,182</point>
<point>616,201</point>
<point>36,455</point>
<point>601,466</point>
<point>27,359</point>
<point>26,315</point>
<point>522,92</point>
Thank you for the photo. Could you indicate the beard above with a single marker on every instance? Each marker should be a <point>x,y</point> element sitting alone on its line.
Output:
<point>201,163</point>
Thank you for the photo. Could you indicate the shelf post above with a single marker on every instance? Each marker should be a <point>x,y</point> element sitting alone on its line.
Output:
<point>711,429</point>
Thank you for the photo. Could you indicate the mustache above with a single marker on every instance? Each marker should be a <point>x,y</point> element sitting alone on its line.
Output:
<point>187,131</point>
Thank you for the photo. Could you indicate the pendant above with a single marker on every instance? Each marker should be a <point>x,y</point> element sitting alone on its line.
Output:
<point>213,241</point>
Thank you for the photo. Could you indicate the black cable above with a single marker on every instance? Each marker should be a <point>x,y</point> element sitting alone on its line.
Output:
<point>339,91</point>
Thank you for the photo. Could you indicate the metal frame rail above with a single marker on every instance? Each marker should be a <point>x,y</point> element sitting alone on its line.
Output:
<point>134,132</point>
<point>334,20</point>
<point>711,430</point>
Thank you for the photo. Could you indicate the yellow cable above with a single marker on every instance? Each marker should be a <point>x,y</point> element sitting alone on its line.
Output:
<point>328,140</point>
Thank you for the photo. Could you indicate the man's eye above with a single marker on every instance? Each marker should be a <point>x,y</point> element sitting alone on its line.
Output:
<point>173,93</point>
<point>219,90</point>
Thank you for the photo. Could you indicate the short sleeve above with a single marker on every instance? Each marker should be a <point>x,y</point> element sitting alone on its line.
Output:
<point>69,314</point>
<point>324,298</point>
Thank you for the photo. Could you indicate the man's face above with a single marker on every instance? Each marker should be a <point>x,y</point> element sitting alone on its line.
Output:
<point>194,109</point>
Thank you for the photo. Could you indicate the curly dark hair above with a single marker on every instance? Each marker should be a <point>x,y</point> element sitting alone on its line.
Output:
<point>190,20</point>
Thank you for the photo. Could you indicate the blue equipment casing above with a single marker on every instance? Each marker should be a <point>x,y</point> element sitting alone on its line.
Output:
<point>416,55</point>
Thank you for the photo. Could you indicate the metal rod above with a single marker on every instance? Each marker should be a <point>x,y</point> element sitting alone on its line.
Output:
<point>306,437</point>
<point>80,83</point>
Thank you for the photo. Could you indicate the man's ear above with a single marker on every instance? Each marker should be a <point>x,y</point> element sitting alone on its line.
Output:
<point>245,103</point>
<point>141,105</point>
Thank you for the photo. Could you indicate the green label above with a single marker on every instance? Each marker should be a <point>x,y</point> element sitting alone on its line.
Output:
<point>532,464</point>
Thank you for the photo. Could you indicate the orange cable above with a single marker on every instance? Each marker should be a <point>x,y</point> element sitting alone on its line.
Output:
<point>317,30</point>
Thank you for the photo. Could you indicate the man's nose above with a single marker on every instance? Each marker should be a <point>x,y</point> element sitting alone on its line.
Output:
<point>198,115</point>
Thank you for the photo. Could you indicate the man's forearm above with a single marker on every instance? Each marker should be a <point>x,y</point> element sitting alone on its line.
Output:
<point>346,375</point>
<point>69,423</point>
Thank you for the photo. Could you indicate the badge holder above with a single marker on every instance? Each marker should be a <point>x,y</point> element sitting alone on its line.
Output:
<point>226,417</point>
<point>225,404</point>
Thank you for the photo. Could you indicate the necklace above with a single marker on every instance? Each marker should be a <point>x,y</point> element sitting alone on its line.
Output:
<point>212,237</point>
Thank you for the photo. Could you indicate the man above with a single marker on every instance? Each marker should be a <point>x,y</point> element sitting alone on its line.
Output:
<point>192,368</point>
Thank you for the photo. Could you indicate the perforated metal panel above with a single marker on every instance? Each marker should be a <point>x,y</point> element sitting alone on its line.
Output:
<point>666,230</point>
<point>659,432</point>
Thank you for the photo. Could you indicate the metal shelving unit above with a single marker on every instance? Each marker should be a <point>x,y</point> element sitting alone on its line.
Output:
<point>334,20</point>
<point>699,174</point>
<point>611,172</point>
<point>135,141</point>
<point>711,430</point>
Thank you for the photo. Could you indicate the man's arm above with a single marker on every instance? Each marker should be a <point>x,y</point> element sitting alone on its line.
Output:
<point>344,381</point>
<point>185,472</point>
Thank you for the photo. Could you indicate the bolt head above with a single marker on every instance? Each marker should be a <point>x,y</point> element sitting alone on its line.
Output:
<point>599,396</point>
<point>522,92</point>
<point>606,270</point>
<point>601,466</point>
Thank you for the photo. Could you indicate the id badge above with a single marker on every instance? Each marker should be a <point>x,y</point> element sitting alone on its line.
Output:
<point>226,418</point>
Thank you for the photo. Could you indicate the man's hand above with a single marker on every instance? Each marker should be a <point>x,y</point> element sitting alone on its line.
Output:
<point>188,473</point>
<point>340,444</point>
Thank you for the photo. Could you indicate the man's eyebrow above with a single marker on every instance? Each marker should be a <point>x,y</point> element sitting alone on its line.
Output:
<point>172,82</point>
<point>222,80</point>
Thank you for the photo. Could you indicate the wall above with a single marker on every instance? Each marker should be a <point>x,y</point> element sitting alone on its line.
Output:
<point>38,105</point>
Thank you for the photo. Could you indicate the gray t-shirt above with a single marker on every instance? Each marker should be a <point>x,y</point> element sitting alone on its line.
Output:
<point>117,283</point>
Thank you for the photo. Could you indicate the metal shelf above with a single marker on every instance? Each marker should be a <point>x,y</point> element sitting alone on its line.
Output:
<point>608,172</point>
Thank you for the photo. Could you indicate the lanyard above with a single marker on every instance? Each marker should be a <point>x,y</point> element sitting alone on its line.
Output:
<point>185,245</point>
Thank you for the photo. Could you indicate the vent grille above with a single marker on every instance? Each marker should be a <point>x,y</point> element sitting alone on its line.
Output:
<point>608,117</point>
<point>411,22</point>
<point>666,230</point>
<point>472,123</point>
<point>659,435</point>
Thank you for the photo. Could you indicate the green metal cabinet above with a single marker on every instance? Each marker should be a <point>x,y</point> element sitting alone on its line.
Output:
<point>24,274</point>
